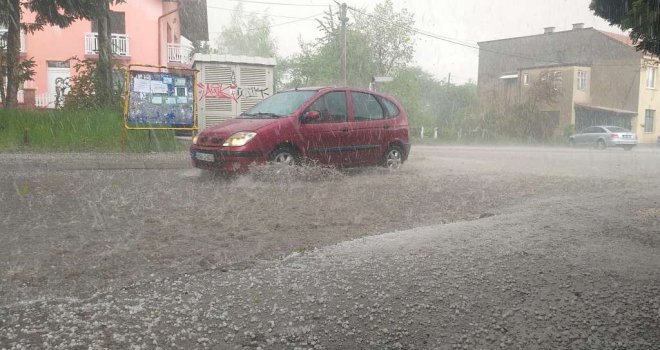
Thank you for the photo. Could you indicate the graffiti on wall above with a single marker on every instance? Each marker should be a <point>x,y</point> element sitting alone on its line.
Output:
<point>230,91</point>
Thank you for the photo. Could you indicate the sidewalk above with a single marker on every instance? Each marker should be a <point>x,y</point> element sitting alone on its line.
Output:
<point>95,161</point>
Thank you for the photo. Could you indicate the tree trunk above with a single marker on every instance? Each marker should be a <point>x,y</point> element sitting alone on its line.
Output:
<point>104,68</point>
<point>13,53</point>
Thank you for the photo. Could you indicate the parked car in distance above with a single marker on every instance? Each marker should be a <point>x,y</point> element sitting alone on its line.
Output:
<point>604,136</point>
<point>330,126</point>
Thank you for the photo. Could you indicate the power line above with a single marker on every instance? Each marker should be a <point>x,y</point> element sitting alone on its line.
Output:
<point>252,12</point>
<point>294,21</point>
<point>452,40</point>
<point>297,19</point>
<point>476,47</point>
<point>278,3</point>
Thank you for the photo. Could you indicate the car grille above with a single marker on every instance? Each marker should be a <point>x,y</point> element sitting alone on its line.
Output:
<point>210,141</point>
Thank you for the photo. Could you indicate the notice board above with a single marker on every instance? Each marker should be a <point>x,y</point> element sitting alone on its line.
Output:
<point>157,100</point>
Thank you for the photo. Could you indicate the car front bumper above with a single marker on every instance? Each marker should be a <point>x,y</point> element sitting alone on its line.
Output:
<point>224,160</point>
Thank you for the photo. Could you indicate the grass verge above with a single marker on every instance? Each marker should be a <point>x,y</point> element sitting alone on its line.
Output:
<point>77,131</point>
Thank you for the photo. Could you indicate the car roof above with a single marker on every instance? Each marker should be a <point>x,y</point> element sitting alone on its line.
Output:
<point>337,88</point>
<point>609,127</point>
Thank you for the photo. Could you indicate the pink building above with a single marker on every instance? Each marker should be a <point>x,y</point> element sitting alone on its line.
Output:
<point>143,32</point>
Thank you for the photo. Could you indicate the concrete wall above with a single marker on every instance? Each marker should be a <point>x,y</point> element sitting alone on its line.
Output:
<point>613,63</point>
<point>568,92</point>
<point>615,83</point>
<point>60,44</point>
<point>649,99</point>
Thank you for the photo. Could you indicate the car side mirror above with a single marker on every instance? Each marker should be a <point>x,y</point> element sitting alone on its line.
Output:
<point>311,116</point>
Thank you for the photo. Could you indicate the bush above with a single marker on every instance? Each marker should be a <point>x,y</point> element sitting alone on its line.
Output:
<point>84,84</point>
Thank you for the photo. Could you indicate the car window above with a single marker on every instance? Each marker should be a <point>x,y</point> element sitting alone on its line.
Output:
<point>616,129</point>
<point>281,104</point>
<point>366,107</point>
<point>598,130</point>
<point>391,110</point>
<point>331,107</point>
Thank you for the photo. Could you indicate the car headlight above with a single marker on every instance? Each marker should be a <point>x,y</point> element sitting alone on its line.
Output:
<point>195,139</point>
<point>239,139</point>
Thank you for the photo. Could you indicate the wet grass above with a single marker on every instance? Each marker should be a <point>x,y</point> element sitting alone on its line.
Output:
<point>77,131</point>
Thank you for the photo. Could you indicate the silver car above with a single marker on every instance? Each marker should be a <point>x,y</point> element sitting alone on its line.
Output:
<point>604,136</point>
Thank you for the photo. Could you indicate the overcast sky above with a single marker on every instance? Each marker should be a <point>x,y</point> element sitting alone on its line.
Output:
<point>467,21</point>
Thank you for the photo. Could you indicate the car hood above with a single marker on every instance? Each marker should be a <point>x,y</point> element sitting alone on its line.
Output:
<point>229,127</point>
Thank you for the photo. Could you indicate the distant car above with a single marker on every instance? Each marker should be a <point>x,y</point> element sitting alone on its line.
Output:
<point>604,136</point>
<point>333,126</point>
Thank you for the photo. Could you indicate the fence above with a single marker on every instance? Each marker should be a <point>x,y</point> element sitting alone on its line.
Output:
<point>421,132</point>
<point>177,53</point>
<point>119,44</point>
<point>41,100</point>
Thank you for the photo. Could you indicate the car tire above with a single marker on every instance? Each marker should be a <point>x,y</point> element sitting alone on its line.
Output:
<point>601,144</point>
<point>627,148</point>
<point>284,156</point>
<point>393,157</point>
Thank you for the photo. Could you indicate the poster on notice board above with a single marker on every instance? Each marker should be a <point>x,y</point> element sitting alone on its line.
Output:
<point>161,100</point>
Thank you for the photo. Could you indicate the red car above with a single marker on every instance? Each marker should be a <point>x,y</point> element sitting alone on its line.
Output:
<point>332,126</point>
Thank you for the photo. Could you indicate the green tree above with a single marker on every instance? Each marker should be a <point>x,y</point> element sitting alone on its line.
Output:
<point>85,83</point>
<point>640,17</point>
<point>99,11</point>
<point>319,62</point>
<point>389,34</point>
<point>11,11</point>
<point>527,120</point>
<point>59,13</point>
<point>408,87</point>
<point>452,104</point>
<point>247,34</point>
<point>379,43</point>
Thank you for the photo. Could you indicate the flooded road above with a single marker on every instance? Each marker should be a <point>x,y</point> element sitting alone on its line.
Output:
<point>482,247</point>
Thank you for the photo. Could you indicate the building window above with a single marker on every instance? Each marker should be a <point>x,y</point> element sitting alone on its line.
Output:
<point>582,80</point>
<point>557,80</point>
<point>650,77</point>
<point>526,79</point>
<point>648,121</point>
<point>117,23</point>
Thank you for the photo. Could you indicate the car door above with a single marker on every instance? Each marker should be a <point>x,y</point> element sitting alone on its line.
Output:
<point>583,137</point>
<point>370,125</point>
<point>599,133</point>
<point>327,136</point>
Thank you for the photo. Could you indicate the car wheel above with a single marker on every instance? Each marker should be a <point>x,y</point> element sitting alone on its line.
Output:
<point>628,148</point>
<point>601,144</point>
<point>393,158</point>
<point>284,156</point>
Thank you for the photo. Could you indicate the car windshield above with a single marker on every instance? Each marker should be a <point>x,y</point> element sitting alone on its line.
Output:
<point>279,105</point>
<point>616,129</point>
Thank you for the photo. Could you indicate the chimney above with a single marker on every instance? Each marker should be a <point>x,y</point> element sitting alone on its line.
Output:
<point>549,30</point>
<point>578,26</point>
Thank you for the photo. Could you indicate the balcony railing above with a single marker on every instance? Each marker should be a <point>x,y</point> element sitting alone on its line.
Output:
<point>3,39</point>
<point>177,53</point>
<point>119,44</point>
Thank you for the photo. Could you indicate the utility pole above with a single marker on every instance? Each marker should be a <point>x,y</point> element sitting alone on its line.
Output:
<point>343,20</point>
